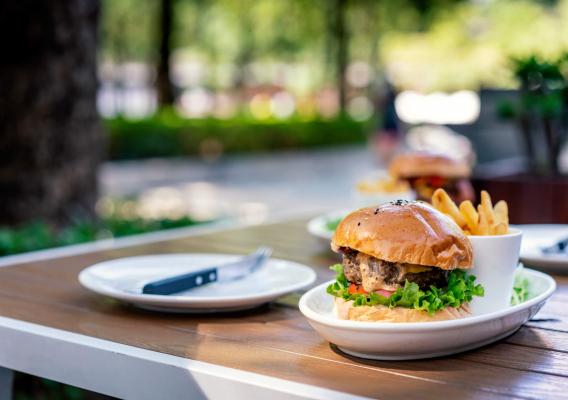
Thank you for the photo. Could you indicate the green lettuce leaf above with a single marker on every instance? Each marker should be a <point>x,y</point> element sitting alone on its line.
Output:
<point>461,289</point>
<point>521,290</point>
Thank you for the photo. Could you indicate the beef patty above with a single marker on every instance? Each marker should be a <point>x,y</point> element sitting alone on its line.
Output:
<point>375,274</point>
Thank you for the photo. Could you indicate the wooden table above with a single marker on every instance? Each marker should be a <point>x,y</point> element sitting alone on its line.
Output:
<point>52,327</point>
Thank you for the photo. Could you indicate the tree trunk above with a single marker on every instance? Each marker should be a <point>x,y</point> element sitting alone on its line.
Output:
<point>342,51</point>
<point>526,131</point>
<point>164,86</point>
<point>373,90</point>
<point>247,48</point>
<point>329,44</point>
<point>51,137</point>
<point>553,145</point>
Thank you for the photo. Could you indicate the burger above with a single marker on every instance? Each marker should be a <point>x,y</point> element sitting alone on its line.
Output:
<point>426,172</point>
<point>402,262</point>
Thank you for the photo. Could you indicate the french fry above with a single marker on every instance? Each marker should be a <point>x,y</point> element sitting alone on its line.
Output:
<point>483,226</point>
<point>437,203</point>
<point>447,206</point>
<point>499,229</point>
<point>485,220</point>
<point>501,211</point>
<point>487,208</point>
<point>470,215</point>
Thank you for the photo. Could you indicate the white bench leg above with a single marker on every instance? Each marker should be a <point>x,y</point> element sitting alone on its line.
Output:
<point>6,378</point>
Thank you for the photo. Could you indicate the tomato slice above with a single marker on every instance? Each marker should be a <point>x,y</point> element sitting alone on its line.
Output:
<point>358,289</point>
<point>353,288</point>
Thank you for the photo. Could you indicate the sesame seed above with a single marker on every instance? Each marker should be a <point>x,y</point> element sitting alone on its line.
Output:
<point>399,202</point>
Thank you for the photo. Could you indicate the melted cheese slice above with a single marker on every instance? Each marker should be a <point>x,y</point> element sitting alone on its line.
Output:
<point>413,268</point>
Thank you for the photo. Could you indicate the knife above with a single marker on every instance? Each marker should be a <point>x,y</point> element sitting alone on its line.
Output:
<point>557,248</point>
<point>224,273</point>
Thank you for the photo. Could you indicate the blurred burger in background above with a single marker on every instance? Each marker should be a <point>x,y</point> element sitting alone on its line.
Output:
<point>425,172</point>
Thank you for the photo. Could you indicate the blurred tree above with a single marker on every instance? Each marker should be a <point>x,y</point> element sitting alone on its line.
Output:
<point>51,136</point>
<point>247,46</point>
<point>425,45</point>
<point>541,110</point>
<point>341,36</point>
<point>163,80</point>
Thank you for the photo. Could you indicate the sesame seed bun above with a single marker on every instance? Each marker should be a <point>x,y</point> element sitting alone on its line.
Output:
<point>405,232</point>
<point>412,165</point>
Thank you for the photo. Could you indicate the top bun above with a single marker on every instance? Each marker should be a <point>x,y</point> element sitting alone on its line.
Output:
<point>410,165</point>
<point>405,232</point>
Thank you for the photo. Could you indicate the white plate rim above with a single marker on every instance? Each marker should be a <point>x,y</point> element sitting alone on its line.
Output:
<point>188,301</point>
<point>410,327</point>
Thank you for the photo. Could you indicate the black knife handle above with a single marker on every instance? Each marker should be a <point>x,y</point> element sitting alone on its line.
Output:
<point>180,283</point>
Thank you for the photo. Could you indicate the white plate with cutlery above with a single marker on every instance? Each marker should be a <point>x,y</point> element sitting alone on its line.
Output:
<point>124,279</point>
<point>538,237</point>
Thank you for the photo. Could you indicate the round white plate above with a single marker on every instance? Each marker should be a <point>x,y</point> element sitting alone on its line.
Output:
<point>535,237</point>
<point>415,340</point>
<point>318,226</point>
<point>123,279</point>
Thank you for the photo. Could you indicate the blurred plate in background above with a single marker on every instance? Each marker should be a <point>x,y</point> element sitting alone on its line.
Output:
<point>535,238</point>
<point>324,225</point>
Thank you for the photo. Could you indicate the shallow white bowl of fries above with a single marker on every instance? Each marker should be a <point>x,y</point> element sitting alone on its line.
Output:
<point>496,247</point>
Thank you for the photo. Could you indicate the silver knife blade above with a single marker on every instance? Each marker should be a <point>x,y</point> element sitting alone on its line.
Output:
<point>243,267</point>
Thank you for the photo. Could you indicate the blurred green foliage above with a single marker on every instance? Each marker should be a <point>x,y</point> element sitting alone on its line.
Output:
<point>542,83</point>
<point>423,45</point>
<point>129,29</point>
<point>168,134</point>
<point>27,387</point>
<point>39,235</point>
<point>541,108</point>
<point>470,45</point>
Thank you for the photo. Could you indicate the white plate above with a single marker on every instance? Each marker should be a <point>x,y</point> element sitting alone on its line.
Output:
<point>535,237</point>
<point>123,278</point>
<point>415,340</point>
<point>318,226</point>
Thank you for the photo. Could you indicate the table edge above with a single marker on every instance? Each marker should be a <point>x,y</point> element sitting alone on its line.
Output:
<point>84,361</point>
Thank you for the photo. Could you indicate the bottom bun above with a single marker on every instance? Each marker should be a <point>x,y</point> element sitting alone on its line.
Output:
<point>345,310</point>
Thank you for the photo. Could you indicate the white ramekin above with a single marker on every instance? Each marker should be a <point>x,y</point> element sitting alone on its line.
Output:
<point>495,260</point>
